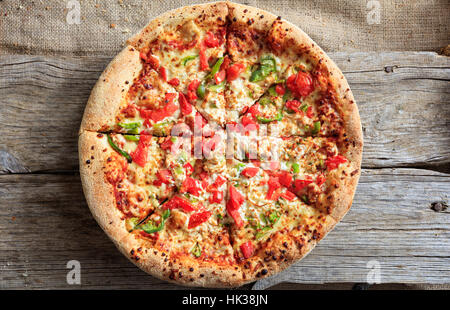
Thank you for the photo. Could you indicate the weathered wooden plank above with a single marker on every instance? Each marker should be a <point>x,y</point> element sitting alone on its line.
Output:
<point>403,99</point>
<point>45,223</point>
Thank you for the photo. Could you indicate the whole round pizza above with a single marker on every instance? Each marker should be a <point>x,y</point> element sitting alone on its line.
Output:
<point>220,146</point>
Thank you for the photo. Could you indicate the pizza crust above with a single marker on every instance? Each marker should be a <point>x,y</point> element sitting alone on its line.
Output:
<point>93,152</point>
<point>253,17</point>
<point>185,271</point>
<point>105,101</point>
<point>110,90</point>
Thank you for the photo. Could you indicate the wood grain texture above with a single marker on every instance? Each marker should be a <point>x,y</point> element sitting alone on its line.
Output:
<point>403,100</point>
<point>45,223</point>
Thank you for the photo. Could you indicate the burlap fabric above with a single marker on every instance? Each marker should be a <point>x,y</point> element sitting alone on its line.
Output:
<point>41,27</point>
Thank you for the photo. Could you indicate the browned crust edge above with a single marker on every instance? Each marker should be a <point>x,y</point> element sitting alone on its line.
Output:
<point>253,17</point>
<point>185,271</point>
<point>93,153</point>
<point>110,89</point>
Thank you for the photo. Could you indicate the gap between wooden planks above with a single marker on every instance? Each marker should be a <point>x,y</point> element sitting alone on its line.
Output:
<point>404,104</point>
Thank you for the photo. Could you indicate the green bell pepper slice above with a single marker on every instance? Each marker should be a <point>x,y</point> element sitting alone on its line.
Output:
<point>118,150</point>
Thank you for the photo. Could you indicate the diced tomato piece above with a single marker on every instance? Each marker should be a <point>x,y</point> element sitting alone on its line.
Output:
<point>169,97</point>
<point>210,40</point>
<point>300,184</point>
<point>162,71</point>
<point>335,161</point>
<point>219,77</point>
<point>225,64</point>
<point>143,56</point>
<point>160,114</point>
<point>293,105</point>
<point>235,215</point>
<point>234,71</point>
<point>189,169</point>
<point>179,203</point>
<point>274,185</point>
<point>310,112</point>
<point>203,59</point>
<point>250,172</point>
<point>185,106</point>
<point>157,182</point>
<point>254,110</point>
<point>216,197</point>
<point>236,198</point>
<point>285,178</point>
<point>300,84</point>
<point>174,82</point>
<point>191,96</point>
<point>190,186</point>
<point>164,175</point>
<point>140,154</point>
<point>198,218</point>
<point>220,180</point>
<point>320,179</point>
<point>280,89</point>
<point>193,85</point>
<point>167,144</point>
<point>192,90</point>
<point>276,194</point>
<point>247,249</point>
<point>250,122</point>
<point>288,195</point>
<point>152,61</point>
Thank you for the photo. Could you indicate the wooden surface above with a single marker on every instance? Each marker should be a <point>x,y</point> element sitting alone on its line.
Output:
<point>404,103</point>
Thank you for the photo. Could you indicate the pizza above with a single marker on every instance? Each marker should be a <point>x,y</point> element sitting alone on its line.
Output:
<point>220,146</point>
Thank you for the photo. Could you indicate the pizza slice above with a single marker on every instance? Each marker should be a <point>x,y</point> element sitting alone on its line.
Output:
<point>187,236</point>
<point>139,200</point>
<point>253,66</point>
<point>311,97</point>
<point>188,54</point>
<point>269,224</point>
<point>310,167</point>
<point>123,177</point>
<point>130,98</point>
